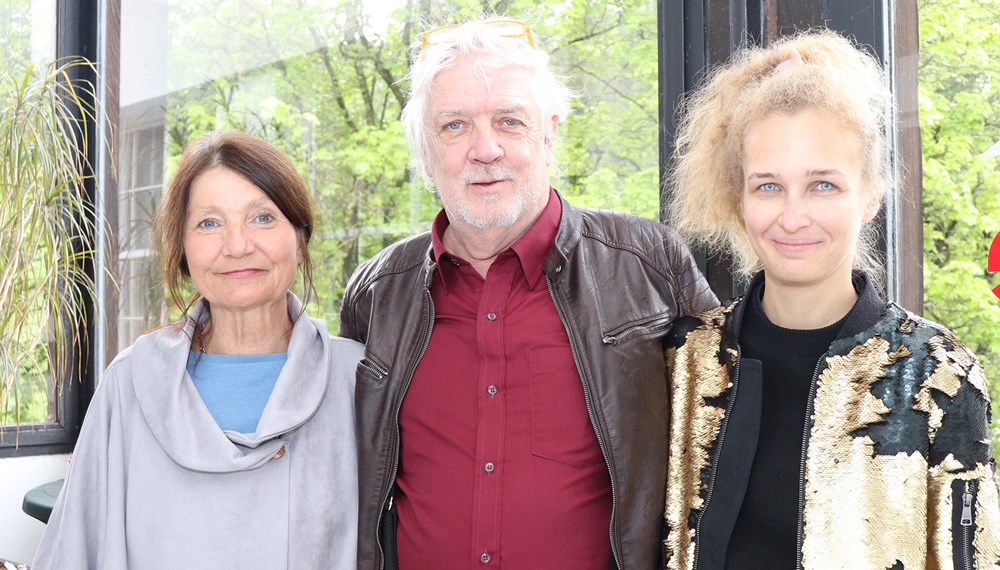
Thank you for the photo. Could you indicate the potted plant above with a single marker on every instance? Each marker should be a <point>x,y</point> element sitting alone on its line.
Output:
<point>46,231</point>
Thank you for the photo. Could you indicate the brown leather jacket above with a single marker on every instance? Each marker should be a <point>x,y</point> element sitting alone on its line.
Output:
<point>618,283</point>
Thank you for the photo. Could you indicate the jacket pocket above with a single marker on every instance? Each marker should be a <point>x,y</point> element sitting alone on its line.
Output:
<point>371,371</point>
<point>963,522</point>
<point>652,327</point>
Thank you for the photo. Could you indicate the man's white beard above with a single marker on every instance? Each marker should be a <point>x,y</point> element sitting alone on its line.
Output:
<point>523,200</point>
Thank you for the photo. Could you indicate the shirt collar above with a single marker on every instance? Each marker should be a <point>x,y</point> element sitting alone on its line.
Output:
<point>531,249</point>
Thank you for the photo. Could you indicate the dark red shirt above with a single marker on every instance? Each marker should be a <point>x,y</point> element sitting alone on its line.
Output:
<point>499,463</point>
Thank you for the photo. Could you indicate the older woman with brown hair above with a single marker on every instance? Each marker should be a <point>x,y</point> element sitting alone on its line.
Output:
<point>813,424</point>
<point>227,439</point>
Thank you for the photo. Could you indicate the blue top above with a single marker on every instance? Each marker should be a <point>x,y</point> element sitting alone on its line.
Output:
<point>236,387</point>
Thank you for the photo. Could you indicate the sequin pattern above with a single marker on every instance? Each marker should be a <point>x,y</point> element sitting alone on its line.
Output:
<point>899,424</point>
<point>694,428</point>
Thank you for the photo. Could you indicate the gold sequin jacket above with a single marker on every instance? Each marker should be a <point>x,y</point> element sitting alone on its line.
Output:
<point>897,469</point>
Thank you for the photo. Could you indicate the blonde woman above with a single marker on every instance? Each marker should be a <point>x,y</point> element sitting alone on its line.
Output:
<point>813,424</point>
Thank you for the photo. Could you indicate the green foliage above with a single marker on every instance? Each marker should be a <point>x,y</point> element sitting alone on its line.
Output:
<point>27,398</point>
<point>15,40</point>
<point>327,85</point>
<point>45,228</point>
<point>959,98</point>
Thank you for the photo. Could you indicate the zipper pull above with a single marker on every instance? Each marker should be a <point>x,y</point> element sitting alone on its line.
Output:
<point>389,508</point>
<point>966,507</point>
<point>609,339</point>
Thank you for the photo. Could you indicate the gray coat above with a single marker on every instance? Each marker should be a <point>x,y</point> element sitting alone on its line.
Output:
<point>155,483</point>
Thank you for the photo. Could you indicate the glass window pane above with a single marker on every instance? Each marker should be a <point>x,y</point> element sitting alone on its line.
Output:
<point>325,81</point>
<point>29,31</point>
<point>959,80</point>
<point>27,38</point>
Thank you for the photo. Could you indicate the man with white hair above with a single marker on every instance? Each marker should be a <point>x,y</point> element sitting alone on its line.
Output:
<point>511,408</point>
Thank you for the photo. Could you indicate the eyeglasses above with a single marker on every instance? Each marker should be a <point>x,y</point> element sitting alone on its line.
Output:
<point>506,28</point>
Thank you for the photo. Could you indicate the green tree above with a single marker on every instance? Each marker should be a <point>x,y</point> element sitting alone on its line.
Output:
<point>959,93</point>
<point>327,86</point>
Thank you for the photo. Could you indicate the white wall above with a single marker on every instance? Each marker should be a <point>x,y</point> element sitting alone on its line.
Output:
<point>21,533</point>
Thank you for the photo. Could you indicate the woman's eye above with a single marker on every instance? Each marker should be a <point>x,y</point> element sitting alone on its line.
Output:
<point>453,126</point>
<point>511,122</point>
<point>264,218</point>
<point>824,186</point>
<point>207,224</point>
<point>769,187</point>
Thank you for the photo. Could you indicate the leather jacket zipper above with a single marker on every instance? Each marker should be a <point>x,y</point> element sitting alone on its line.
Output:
<point>378,371</point>
<point>588,397</point>
<point>802,462</point>
<point>715,459</point>
<point>386,499</point>
<point>621,335</point>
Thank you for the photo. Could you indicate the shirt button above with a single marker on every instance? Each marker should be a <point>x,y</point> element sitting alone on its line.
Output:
<point>491,316</point>
<point>489,467</point>
<point>485,558</point>
<point>454,261</point>
<point>492,390</point>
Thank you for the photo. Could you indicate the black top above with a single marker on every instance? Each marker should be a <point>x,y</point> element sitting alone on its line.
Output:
<point>765,532</point>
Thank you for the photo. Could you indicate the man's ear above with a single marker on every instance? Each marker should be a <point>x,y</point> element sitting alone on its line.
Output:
<point>549,138</point>
<point>555,128</point>
<point>425,164</point>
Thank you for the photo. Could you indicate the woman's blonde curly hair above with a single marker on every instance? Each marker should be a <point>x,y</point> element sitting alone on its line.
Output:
<point>836,77</point>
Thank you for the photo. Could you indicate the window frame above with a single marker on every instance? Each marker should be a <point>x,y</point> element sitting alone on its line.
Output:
<point>77,34</point>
